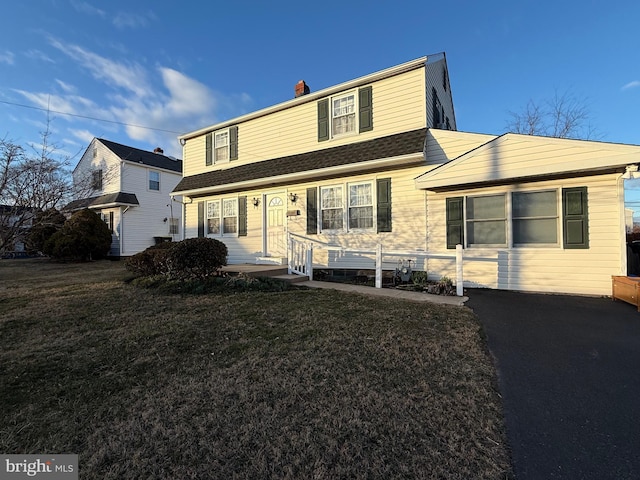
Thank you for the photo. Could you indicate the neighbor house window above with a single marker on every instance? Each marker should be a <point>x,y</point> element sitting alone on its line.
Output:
<point>154,180</point>
<point>213,217</point>
<point>360,206</point>
<point>174,227</point>
<point>96,180</point>
<point>230,215</point>
<point>486,220</point>
<point>108,219</point>
<point>535,217</point>
<point>331,207</point>
<point>343,114</point>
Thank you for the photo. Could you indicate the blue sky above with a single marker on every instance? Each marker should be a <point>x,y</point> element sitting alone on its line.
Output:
<point>180,66</point>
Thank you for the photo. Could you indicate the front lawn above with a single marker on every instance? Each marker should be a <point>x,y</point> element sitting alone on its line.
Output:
<point>294,384</point>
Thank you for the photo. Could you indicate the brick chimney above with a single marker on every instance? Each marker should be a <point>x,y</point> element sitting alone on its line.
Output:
<point>301,88</point>
<point>158,150</point>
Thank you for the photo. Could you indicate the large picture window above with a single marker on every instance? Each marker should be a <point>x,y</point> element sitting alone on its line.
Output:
<point>535,217</point>
<point>520,219</point>
<point>361,206</point>
<point>486,220</point>
<point>331,206</point>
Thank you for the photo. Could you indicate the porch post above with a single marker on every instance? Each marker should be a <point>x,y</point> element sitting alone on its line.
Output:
<point>290,253</point>
<point>309,267</point>
<point>379,266</point>
<point>459,279</point>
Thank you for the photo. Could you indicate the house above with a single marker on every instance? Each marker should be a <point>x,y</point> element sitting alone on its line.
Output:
<point>15,225</point>
<point>542,214</point>
<point>336,165</point>
<point>372,171</point>
<point>130,188</point>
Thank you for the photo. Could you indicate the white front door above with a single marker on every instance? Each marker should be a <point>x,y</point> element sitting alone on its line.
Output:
<point>275,232</point>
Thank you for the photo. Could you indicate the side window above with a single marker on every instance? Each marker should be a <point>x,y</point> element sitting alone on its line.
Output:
<point>96,180</point>
<point>154,180</point>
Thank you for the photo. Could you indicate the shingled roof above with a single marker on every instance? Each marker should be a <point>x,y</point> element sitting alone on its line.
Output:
<point>113,199</point>
<point>151,159</point>
<point>380,148</point>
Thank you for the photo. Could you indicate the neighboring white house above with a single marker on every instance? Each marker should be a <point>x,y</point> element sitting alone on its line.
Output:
<point>130,188</point>
<point>376,161</point>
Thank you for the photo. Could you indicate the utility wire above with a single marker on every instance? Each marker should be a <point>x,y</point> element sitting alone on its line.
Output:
<point>89,118</point>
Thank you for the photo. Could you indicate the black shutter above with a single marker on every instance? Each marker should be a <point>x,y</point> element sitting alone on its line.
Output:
<point>323,120</point>
<point>209,149</point>
<point>242,216</point>
<point>366,109</point>
<point>233,143</point>
<point>200,219</point>
<point>312,211</point>
<point>384,204</point>
<point>455,219</point>
<point>111,221</point>
<point>575,217</point>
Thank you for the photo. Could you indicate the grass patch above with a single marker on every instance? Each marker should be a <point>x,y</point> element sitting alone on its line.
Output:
<point>289,384</point>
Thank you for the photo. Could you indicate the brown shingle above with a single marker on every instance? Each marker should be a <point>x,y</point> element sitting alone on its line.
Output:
<point>379,148</point>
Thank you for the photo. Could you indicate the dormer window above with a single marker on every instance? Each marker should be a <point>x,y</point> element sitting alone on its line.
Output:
<point>221,146</point>
<point>343,114</point>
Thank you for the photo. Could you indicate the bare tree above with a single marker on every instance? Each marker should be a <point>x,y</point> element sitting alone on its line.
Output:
<point>29,183</point>
<point>561,116</point>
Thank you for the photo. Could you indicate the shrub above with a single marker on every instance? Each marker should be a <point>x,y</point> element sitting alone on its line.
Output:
<point>45,225</point>
<point>196,258</point>
<point>152,261</point>
<point>83,237</point>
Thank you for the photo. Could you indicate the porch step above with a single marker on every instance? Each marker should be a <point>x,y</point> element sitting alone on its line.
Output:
<point>271,260</point>
<point>291,278</point>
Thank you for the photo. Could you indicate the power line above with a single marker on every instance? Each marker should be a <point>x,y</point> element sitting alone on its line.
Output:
<point>89,118</point>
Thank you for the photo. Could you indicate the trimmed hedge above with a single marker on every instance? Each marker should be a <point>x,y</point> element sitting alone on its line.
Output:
<point>152,261</point>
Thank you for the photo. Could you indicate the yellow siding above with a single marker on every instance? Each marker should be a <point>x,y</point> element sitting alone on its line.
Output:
<point>398,106</point>
<point>553,269</point>
<point>445,145</point>
<point>408,220</point>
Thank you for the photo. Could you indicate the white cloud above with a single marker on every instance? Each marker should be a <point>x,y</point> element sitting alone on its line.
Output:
<point>85,136</point>
<point>84,7</point>
<point>7,57</point>
<point>131,77</point>
<point>65,86</point>
<point>38,55</point>
<point>132,20</point>
<point>634,84</point>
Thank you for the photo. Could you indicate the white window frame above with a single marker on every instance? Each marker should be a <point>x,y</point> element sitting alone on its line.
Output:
<point>341,207</point>
<point>506,219</point>
<point>149,180</point>
<point>227,208</point>
<point>371,205</point>
<point>211,215</point>
<point>333,116</point>
<point>219,146</point>
<point>512,218</point>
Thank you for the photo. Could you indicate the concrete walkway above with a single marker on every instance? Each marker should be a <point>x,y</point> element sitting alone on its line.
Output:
<point>388,292</point>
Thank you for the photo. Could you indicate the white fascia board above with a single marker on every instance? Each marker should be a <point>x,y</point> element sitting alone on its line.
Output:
<point>373,77</point>
<point>306,175</point>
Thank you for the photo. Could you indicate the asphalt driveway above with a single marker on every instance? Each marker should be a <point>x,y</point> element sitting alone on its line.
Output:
<point>569,375</point>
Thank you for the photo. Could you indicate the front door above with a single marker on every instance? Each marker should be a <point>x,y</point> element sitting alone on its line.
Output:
<point>275,233</point>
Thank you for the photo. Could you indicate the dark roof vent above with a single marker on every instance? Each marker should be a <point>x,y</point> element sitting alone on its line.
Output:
<point>302,88</point>
<point>158,150</point>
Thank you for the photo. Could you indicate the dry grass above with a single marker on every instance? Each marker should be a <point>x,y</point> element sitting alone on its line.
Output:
<point>294,384</point>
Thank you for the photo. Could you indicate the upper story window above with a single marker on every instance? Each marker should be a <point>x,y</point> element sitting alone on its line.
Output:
<point>95,152</point>
<point>345,114</point>
<point>154,180</point>
<point>221,146</point>
<point>96,180</point>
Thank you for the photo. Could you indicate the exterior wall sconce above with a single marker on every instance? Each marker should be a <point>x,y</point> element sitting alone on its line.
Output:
<point>293,197</point>
<point>256,201</point>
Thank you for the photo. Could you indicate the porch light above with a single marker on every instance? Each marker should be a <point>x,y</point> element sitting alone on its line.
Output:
<point>293,197</point>
<point>256,201</point>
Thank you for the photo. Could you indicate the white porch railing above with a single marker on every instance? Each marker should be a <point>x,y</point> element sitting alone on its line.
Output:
<point>301,251</point>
